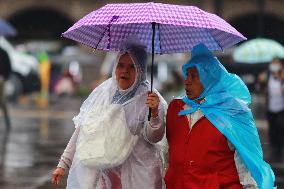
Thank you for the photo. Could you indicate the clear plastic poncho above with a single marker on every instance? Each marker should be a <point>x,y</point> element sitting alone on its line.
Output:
<point>226,107</point>
<point>143,166</point>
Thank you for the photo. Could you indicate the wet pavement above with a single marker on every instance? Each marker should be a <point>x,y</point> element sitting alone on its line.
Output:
<point>30,151</point>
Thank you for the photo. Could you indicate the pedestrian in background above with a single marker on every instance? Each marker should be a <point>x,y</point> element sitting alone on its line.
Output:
<point>5,71</point>
<point>271,83</point>
<point>275,107</point>
<point>44,73</point>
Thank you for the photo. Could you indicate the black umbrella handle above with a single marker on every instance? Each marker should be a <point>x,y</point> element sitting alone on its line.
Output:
<point>152,64</point>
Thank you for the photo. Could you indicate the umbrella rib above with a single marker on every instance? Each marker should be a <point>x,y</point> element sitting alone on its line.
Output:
<point>210,33</point>
<point>160,38</point>
<point>107,29</point>
<point>103,34</point>
<point>216,40</point>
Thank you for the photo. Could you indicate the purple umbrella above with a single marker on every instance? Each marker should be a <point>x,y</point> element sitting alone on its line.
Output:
<point>178,28</point>
<point>163,28</point>
<point>169,28</point>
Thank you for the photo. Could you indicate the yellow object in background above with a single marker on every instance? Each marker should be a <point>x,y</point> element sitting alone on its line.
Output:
<point>44,72</point>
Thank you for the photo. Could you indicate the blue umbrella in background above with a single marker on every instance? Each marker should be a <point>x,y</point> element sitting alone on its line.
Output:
<point>6,29</point>
<point>259,50</point>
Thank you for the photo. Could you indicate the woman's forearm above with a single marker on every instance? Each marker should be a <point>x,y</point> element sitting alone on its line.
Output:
<point>68,154</point>
<point>155,130</point>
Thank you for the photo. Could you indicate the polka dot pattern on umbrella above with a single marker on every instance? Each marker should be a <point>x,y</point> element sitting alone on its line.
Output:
<point>178,28</point>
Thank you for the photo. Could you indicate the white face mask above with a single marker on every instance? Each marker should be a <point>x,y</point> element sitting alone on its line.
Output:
<point>274,67</point>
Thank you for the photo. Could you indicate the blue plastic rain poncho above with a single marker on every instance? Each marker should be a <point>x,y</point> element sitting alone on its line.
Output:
<point>226,107</point>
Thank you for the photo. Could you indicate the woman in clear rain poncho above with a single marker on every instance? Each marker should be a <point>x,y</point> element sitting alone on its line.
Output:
<point>213,140</point>
<point>113,144</point>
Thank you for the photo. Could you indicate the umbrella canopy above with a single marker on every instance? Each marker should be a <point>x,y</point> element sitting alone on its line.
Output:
<point>178,28</point>
<point>6,29</point>
<point>162,28</point>
<point>258,50</point>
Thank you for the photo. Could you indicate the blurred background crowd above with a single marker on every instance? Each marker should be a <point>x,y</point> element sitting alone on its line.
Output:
<point>44,77</point>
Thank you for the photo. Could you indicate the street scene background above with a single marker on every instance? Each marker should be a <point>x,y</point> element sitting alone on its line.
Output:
<point>51,76</point>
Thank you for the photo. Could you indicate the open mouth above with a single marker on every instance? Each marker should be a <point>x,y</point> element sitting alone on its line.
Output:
<point>188,92</point>
<point>124,78</point>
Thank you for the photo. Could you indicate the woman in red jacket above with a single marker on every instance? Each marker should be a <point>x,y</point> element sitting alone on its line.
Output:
<point>207,147</point>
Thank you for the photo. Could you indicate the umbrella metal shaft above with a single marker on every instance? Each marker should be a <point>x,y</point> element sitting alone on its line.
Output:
<point>152,64</point>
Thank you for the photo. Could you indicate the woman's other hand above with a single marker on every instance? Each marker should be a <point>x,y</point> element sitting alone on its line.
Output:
<point>153,102</point>
<point>57,175</point>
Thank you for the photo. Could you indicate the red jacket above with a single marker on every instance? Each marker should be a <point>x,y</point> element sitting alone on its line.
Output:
<point>199,158</point>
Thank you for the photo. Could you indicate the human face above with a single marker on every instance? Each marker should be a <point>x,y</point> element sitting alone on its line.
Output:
<point>192,83</point>
<point>125,72</point>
